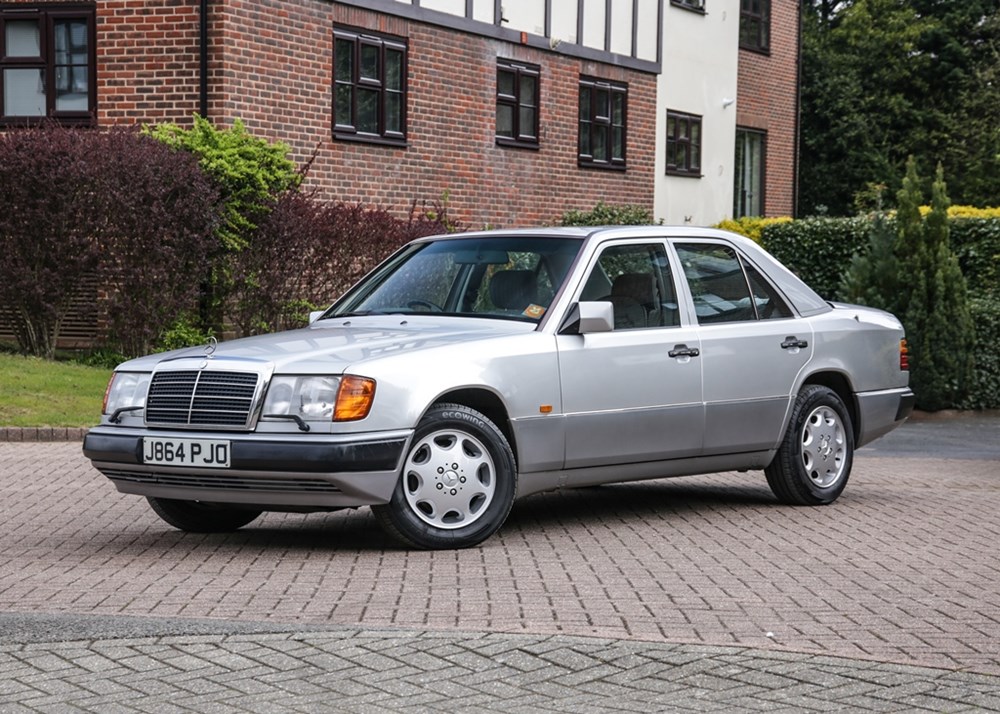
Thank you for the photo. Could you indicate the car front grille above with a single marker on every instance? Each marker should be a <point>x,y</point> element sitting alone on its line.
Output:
<point>218,399</point>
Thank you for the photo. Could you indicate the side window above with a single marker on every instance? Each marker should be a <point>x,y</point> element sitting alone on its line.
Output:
<point>636,279</point>
<point>725,289</point>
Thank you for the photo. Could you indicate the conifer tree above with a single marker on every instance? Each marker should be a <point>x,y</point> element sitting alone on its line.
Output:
<point>933,297</point>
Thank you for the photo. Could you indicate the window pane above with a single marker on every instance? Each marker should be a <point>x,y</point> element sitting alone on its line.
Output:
<point>367,118</point>
<point>617,143</point>
<point>769,304</point>
<point>394,112</point>
<point>585,104</point>
<point>344,70</point>
<point>505,82</point>
<point>342,105</point>
<point>394,70</point>
<point>23,38</point>
<point>618,116</point>
<point>585,139</point>
<point>600,143</point>
<point>369,62</point>
<point>24,92</point>
<point>717,283</point>
<point>527,89</point>
<point>695,157</point>
<point>527,121</point>
<point>505,120</point>
<point>71,89</point>
<point>603,108</point>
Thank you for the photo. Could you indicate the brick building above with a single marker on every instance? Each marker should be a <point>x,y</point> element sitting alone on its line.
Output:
<point>419,92</point>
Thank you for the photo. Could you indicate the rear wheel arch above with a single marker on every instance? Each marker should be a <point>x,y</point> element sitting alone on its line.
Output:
<point>841,385</point>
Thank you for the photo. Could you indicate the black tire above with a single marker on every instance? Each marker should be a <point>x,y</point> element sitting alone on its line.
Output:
<point>198,517</point>
<point>814,461</point>
<point>457,484</point>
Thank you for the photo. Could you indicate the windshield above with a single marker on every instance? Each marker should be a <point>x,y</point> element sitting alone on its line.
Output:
<point>512,277</point>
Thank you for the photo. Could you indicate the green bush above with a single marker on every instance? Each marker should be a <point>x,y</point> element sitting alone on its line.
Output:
<point>750,226</point>
<point>976,242</point>
<point>818,250</point>
<point>984,388</point>
<point>604,214</point>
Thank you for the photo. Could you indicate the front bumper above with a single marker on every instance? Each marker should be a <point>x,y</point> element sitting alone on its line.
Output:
<point>270,470</point>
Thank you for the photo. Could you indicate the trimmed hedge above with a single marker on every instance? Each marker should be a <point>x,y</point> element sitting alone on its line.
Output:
<point>984,390</point>
<point>818,250</point>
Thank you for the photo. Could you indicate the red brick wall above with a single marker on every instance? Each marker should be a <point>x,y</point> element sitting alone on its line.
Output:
<point>147,61</point>
<point>767,100</point>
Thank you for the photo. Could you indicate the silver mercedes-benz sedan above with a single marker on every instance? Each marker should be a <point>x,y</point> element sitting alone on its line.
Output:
<point>469,370</point>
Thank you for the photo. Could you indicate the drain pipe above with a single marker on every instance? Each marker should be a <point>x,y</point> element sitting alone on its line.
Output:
<point>203,61</point>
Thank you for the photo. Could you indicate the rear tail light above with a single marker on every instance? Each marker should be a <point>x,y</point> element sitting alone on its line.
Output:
<point>904,356</point>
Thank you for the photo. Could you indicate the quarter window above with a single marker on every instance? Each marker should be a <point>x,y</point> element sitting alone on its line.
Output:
<point>725,288</point>
<point>369,92</point>
<point>517,104</point>
<point>755,25</point>
<point>603,115</point>
<point>683,144</point>
<point>47,62</point>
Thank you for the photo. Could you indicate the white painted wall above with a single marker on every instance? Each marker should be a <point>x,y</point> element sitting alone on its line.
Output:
<point>700,55</point>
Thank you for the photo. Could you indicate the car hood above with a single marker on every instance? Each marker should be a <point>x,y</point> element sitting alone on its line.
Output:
<point>331,346</point>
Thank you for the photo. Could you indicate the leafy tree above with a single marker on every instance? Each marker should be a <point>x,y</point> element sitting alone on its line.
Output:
<point>882,80</point>
<point>872,277</point>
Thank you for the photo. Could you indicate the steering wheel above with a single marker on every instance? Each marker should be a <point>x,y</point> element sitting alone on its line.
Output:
<point>426,304</point>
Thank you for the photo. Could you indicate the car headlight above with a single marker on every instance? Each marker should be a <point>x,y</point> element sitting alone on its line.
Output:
<point>316,398</point>
<point>126,390</point>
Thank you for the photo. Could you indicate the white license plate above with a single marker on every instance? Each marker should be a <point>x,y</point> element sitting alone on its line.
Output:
<point>210,453</point>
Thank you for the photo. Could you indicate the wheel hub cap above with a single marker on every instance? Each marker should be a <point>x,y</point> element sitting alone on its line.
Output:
<point>824,447</point>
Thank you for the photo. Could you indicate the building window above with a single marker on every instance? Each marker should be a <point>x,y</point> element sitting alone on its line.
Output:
<point>748,196</point>
<point>683,144</point>
<point>603,116</point>
<point>696,5</point>
<point>369,87</point>
<point>517,104</point>
<point>755,25</point>
<point>47,62</point>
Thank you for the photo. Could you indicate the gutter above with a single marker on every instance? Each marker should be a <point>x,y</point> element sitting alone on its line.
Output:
<point>203,59</point>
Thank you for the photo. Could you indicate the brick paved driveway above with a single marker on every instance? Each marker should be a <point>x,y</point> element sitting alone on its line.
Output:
<point>902,569</point>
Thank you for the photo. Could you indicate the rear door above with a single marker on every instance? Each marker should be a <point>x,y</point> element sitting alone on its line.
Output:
<point>753,347</point>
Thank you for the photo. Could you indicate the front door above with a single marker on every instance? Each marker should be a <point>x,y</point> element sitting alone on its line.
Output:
<point>633,394</point>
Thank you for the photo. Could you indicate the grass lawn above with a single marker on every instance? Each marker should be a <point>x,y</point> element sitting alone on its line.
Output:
<point>37,392</point>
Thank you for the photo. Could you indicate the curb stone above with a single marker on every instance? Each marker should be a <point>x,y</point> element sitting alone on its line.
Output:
<point>42,433</point>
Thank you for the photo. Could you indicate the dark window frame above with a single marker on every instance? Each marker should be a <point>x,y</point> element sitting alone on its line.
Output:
<point>48,16</point>
<point>697,6</point>
<point>597,123</point>
<point>755,26</point>
<point>691,166</point>
<point>521,138</point>
<point>346,128</point>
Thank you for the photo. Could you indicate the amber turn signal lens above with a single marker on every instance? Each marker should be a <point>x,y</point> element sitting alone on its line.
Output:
<point>904,356</point>
<point>354,398</point>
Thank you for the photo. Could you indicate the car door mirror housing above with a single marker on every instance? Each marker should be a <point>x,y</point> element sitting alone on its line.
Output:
<point>315,315</point>
<point>587,317</point>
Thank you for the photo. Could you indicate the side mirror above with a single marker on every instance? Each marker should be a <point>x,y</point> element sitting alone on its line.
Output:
<point>315,315</point>
<point>587,317</point>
